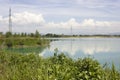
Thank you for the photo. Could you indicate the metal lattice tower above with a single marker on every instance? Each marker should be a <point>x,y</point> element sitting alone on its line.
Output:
<point>10,21</point>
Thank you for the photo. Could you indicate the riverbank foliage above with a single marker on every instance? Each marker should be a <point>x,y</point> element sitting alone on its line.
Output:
<point>10,40</point>
<point>21,42</point>
<point>14,66</point>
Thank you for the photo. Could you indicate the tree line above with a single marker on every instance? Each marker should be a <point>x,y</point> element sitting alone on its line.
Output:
<point>23,34</point>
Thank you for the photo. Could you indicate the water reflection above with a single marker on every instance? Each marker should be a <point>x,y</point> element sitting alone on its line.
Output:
<point>102,49</point>
<point>88,46</point>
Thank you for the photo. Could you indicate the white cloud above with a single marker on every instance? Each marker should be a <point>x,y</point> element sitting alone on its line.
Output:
<point>88,22</point>
<point>24,19</point>
<point>27,18</point>
<point>64,25</point>
<point>22,22</point>
<point>29,22</point>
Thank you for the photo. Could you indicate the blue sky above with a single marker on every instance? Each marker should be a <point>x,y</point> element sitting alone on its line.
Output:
<point>91,16</point>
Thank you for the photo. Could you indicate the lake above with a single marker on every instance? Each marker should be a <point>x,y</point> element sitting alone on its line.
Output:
<point>102,49</point>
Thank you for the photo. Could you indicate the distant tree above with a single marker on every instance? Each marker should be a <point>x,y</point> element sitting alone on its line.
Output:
<point>49,35</point>
<point>15,35</point>
<point>37,34</point>
<point>1,34</point>
<point>31,34</point>
<point>18,35</point>
<point>53,35</point>
<point>8,34</point>
<point>25,34</point>
<point>22,34</point>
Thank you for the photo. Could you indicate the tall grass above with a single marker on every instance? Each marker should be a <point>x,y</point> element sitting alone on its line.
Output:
<point>15,66</point>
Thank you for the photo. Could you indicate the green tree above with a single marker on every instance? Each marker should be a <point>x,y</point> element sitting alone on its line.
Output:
<point>25,34</point>
<point>15,35</point>
<point>31,34</point>
<point>1,34</point>
<point>37,34</point>
<point>8,34</point>
<point>22,34</point>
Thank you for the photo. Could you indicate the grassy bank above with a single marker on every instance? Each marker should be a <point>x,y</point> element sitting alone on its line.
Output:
<point>23,42</point>
<point>12,40</point>
<point>15,66</point>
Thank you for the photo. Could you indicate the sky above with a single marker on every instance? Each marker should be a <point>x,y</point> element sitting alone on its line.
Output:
<point>58,16</point>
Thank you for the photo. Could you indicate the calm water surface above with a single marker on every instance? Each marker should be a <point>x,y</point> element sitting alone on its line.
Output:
<point>102,49</point>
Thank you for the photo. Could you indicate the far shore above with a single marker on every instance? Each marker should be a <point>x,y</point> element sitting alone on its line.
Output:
<point>85,37</point>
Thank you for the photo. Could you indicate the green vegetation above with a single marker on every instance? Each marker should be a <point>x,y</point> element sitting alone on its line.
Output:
<point>8,34</point>
<point>17,66</point>
<point>22,40</point>
<point>14,66</point>
<point>25,41</point>
<point>97,35</point>
<point>24,50</point>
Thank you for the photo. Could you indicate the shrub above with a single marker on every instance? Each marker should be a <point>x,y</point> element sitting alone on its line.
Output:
<point>8,34</point>
<point>9,44</point>
<point>88,69</point>
<point>21,43</point>
<point>14,66</point>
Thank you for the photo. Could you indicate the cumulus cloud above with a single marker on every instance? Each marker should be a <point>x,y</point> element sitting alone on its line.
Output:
<point>87,26</point>
<point>92,22</point>
<point>21,22</point>
<point>29,22</point>
<point>24,18</point>
<point>64,25</point>
<point>27,18</point>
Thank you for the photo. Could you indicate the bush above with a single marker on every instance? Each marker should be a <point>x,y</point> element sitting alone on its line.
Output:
<point>15,66</point>
<point>8,34</point>
<point>39,43</point>
<point>9,44</point>
<point>88,69</point>
<point>21,43</point>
